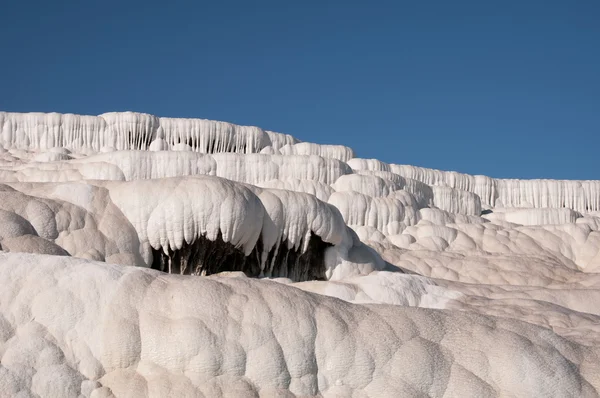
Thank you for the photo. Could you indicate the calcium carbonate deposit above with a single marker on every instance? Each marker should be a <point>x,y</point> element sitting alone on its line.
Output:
<point>160,257</point>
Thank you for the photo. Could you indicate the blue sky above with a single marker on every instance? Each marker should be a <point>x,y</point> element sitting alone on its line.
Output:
<point>507,89</point>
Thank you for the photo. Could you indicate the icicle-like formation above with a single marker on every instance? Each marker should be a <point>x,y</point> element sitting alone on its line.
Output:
<point>208,136</point>
<point>81,132</point>
<point>189,218</point>
<point>405,197</point>
<point>188,208</point>
<point>131,130</point>
<point>456,201</point>
<point>189,225</point>
<point>581,196</point>
<point>34,132</point>
<point>482,186</point>
<point>300,215</point>
<point>39,131</point>
<point>338,152</point>
<point>389,215</point>
<point>207,257</point>
<point>278,139</point>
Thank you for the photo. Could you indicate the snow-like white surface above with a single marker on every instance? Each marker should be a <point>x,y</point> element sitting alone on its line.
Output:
<point>439,283</point>
<point>339,152</point>
<point>581,196</point>
<point>131,130</point>
<point>73,327</point>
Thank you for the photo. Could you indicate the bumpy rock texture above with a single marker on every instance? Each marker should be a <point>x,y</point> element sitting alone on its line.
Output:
<point>147,256</point>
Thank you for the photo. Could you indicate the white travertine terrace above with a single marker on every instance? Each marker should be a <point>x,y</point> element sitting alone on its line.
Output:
<point>456,201</point>
<point>279,140</point>
<point>320,190</point>
<point>130,130</point>
<point>386,214</point>
<point>365,184</point>
<point>338,152</point>
<point>422,192</point>
<point>207,136</point>
<point>257,168</point>
<point>151,256</point>
<point>581,196</point>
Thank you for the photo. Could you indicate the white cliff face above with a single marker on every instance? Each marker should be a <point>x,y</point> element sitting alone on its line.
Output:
<point>150,256</point>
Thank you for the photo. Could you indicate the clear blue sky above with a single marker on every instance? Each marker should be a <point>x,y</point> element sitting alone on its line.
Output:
<point>503,88</point>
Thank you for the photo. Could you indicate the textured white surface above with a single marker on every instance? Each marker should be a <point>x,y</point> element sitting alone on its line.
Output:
<point>439,283</point>
<point>339,152</point>
<point>72,327</point>
<point>581,196</point>
<point>130,130</point>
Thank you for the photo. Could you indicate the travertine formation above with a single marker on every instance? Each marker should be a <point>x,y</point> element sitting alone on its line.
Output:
<point>147,256</point>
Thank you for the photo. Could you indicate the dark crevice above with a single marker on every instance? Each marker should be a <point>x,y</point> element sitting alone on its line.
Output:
<point>239,149</point>
<point>206,257</point>
<point>190,141</point>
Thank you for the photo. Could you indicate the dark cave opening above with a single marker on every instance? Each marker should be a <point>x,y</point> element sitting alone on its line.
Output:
<point>206,257</point>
